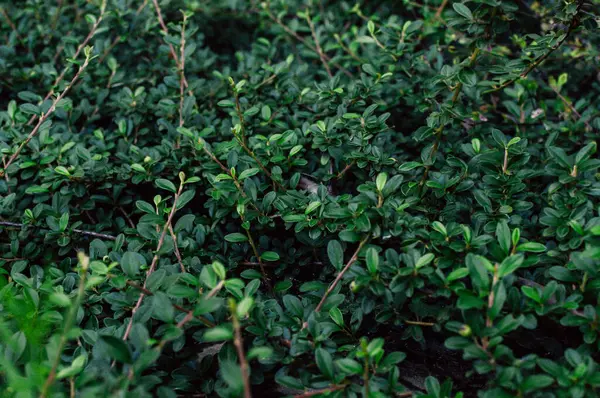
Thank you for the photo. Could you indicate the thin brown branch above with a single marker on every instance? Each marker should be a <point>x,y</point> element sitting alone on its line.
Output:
<point>312,393</point>
<point>257,255</point>
<point>347,49</point>
<point>342,272</point>
<point>176,306</point>
<point>176,249</point>
<point>129,220</point>
<point>117,39</point>
<point>11,24</point>
<point>77,52</point>
<point>166,32</point>
<point>318,48</point>
<point>239,347</point>
<point>439,131</point>
<point>348,167</point>
<point>234,178</point>
<point>302,39</point>
<point>418,323</point>
<point>569,105</point>
<point>182,81</point>
<point>251,153</point>
<point>440,10</point>
<point>161,241</point>
<point>78,231</point>
<point>45,116</point>
<point>542,58</point>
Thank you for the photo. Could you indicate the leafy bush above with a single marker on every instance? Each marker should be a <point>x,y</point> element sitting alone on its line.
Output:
<point>299,198</point>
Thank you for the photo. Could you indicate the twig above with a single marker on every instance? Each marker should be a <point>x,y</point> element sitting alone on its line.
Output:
<point>317,44</point>
<point>176,249</point>
<point>161,241</point>
<point>241,138</point>
<point>78,231</point>
<point>118,38</point>
<point>440,9</point>
<point>342,272</point>
<point>176,306</point>
<point>348,167</point>
<point>257,255</point>
<point>312,393</point>
<point>129,220</point>
<point>234,177</point>
<point>45,116</point>
<point>182,70</point>
<point>347,49</point>
<point>240,114</point>
<point>166,32</point>
<point>81,47</point>
<point>84,261</point>
<point>239,346</point>
<point>11,24</point>
<point>418,323</point>
<point>439,131</point>
<point>302,39</point>
<point>571,107</point>
<point>6,175</point>
<point>541,59</point>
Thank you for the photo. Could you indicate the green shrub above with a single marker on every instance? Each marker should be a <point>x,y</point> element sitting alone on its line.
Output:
<point>299,197</point>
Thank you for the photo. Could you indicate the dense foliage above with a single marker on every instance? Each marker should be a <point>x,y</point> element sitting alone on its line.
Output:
<point>299,197</point>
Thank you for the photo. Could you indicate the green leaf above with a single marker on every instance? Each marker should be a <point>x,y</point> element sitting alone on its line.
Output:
<point>532,247</point>
<point>236,237</point>
<point>62,171</point>
<point>369,70</point>
<point>265,113</point>
<point>375,347</point>
<point>532,293</point>
<point>349,366</point>
<point>63,222</point>
<point>463,10</point>
<point>467,77</point>
<point>504,236</point>
<point>439,227</point>
<point>269,256</point>
<point>380,181</point>
<point>325,363</point>
<point>335,254</point>
<point>350,236</point>
<point>293,305</point>
<point>336,316</point>
<point>458,273</point>
<point>372,258</point>
<point>244,306</point>
<point>131,262</point>
<point>510,265</point>
<point>248,173</point>
<point>226,103</point>
<point>166,185</point>
<point>560,156</point>
<point>261,353</point>
<point>424,260</point>
<point>536,382</point>
<point>217,333</point>
<point>585,153</point>
<point>312,207</point>
<point>116,349</point>
<point>410,165</point>
<point>30,109</point>
<point>371,27</point>
<point>73,370</point>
